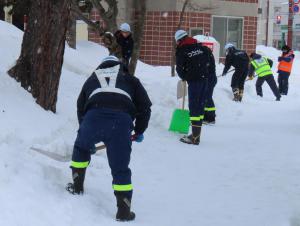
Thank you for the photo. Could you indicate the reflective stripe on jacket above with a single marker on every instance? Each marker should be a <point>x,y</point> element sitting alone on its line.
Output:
<point>112,73</point>
<point>262,67</point>
<point>286,66</point>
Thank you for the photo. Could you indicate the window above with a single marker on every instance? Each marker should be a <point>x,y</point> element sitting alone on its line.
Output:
<point>196,31</point>
<point>228,29</point>
<point>259,11</point>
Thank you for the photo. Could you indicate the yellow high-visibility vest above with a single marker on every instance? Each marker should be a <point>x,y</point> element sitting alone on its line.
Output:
<point>262,67</point>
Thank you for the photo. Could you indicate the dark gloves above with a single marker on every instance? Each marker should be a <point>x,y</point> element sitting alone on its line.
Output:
<point>280,59</point>
<point>250,77</point>
<point>137,137</point>
<point>93,150</point>
<point>223,74</point>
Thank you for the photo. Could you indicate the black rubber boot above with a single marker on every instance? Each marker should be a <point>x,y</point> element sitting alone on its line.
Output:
<point>193,138</point>
<point>241,93</point>
<point>236,95</point>
<point>123,204</point>
<point>209,119</point>
<point>209,122</point>
<point>76,188</point>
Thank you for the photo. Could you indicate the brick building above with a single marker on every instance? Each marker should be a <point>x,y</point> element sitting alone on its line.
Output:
<point>232,21</point>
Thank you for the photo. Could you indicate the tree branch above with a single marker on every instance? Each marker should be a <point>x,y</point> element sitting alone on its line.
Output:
<point>110,16</point>
<point>100,9</point>
<point>96,27</point>
<point>112,9</point>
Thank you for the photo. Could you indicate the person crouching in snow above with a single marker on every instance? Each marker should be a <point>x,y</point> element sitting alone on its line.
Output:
<point>262,67</point>
<point>108,103</point>
<point>192,61</point>
<point>284,69</point>
<point>240,61</point>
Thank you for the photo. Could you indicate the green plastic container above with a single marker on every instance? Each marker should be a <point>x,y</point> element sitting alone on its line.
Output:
<point>180,121</point>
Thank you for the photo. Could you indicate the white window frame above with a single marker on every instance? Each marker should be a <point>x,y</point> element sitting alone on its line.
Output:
<point>230,17</point>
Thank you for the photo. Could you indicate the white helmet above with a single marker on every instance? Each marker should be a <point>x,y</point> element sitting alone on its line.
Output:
<point>125,27</point>
<point>228,45</point>
<point>180,34</point>
<point>110,58</point>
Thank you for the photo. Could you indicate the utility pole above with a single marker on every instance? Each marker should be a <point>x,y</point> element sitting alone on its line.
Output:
<point>290,25</point>
<point>267,24</point>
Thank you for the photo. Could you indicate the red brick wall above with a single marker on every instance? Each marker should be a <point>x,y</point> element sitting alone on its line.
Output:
<point>160,28</point>
<point>250,33</point>
<point>159,34</point>
<point>93,36</point>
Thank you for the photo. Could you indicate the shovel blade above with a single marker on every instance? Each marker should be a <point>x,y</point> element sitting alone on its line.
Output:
<point>180,121</point>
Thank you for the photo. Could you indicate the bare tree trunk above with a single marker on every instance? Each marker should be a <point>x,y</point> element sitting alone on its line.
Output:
<point>108,16</point>
<point>138,32</point>
<point>173,59</point>
<point>71,31</point>
<point>38,68</point>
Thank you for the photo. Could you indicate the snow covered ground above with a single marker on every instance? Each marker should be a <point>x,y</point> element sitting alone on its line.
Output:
<point>246,171</point>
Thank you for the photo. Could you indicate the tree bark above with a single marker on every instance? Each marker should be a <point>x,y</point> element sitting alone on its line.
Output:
<point>71,31</point>
<point>138,32</point>
<point>110,16</point>
<point>38,68</point>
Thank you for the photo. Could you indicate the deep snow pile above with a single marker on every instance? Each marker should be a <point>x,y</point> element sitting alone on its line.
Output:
<point>245,172</point>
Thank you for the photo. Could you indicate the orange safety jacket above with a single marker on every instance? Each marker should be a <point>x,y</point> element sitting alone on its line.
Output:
<point>284,65</point>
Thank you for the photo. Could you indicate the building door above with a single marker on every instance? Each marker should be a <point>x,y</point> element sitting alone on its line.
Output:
<point>227,29</point>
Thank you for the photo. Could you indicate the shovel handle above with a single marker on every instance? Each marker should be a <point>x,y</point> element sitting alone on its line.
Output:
<point>184,92</point>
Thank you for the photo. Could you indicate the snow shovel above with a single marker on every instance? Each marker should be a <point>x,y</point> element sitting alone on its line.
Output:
<point>62,158</point>
<point>180,121</point>
<point>227,72</point>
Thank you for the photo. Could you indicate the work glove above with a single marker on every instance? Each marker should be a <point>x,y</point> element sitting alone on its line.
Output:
<point>250,77</point>
<point>137,137</point>
<point>93,150</point>
<point>280,59</point>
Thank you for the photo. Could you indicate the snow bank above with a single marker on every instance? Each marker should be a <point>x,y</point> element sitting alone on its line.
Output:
<point>11,40</point>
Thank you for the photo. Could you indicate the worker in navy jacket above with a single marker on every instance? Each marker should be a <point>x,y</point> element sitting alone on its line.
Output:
<point>192,65</point>
<point>240,61</point>
<point>110,106</point>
